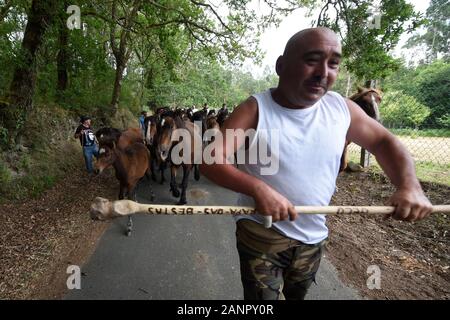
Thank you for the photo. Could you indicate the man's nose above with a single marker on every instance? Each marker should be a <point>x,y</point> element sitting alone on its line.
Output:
<point>321,71</point>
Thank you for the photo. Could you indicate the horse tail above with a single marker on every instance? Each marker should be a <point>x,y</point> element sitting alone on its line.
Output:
<point>196,172</point>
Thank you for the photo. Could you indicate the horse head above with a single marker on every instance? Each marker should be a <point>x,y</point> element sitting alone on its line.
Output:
<point>165,131</point>
<point>369,100</point>
<point>214,128</point>
<point>106,155</point>
<point>151,129</point>
<point>107,134</point>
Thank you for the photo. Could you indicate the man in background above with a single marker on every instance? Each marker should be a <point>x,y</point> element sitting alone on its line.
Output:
<point>87,140</point>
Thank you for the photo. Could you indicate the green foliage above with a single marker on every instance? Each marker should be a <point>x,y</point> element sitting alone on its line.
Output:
<point>365,48</point>
<point>399,110</point>
<point>430,85</point>
<point>444,121</point>
<point>437,35</point>
<point>433,89</point>
<point>202,82</point>
<point>5,174</point>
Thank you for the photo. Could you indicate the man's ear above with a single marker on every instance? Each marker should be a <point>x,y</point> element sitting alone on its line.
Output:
<point>279,65</point>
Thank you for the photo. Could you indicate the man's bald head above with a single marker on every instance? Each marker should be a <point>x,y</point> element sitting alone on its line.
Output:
<point>308,67</point>
<point>304,37</point>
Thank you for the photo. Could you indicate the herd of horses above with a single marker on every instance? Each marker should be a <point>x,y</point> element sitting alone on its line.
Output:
<point>137,154</point>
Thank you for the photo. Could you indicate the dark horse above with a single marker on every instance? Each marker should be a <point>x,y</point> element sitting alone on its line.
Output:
<point>151,124</point>
<point>122,139</point>
<point>369,100</point>
<point>131,164</point>
<point>222,115</point>
<point>167,140</point>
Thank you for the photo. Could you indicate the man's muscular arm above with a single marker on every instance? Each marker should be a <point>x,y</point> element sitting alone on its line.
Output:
<point>410,202</point>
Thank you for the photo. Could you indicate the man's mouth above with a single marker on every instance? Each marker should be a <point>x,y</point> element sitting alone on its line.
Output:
<point>315,86</point>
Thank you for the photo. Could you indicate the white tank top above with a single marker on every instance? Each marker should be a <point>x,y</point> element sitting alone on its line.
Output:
<point>311,142</point>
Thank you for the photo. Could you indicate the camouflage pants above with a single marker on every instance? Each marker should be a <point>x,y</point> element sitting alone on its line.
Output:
<point>287,274</point>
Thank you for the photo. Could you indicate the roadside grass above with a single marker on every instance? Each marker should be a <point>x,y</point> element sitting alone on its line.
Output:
<point>37,171</point>
<point>43,159</point>
<point>426,171</point>
<point>438,133</point>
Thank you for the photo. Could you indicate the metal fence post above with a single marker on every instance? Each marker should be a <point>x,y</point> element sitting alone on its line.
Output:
<point>364,160</point>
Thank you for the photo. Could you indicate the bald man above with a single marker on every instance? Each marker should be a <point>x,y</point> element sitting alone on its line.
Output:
<point>312,124</point>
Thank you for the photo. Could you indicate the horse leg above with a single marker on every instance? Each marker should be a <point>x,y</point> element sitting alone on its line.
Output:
<point>196,172</point>
<point>129,226</point>
<point>121,191</point>
<point>173,182</point>
<point>132,195</point>
<point>186,170</point>
<point>152,168</point>
<point>162,167</point>
<point>152,195</point>
<point>344,157</point>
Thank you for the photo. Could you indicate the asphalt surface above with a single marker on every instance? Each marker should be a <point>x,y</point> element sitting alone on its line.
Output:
<point>179,257</point>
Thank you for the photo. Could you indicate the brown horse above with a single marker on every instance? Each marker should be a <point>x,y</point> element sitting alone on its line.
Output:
<point>122,139</point>
<point>369,100</point>
<point>222,115</point>
<point>131,165</point>
<point>213,125</point>
<point>167,141</point>
<point>150,132</point>
<point>151,125</point>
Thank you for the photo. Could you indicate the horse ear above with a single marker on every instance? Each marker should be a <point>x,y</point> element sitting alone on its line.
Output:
<point>360,89</point>
<point>114,144</point>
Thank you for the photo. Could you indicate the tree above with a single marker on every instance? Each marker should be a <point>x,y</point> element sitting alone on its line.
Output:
<point>62,58</point>
<point>199,26</point>
<point>437,35</point>
<point>13,115</point>
<point>433,90</point>
<point>367,43</point>
<point>429,84</point>
<point>4,9</point>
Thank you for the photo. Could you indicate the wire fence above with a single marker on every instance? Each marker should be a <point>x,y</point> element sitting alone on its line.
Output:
<point>423,129</point>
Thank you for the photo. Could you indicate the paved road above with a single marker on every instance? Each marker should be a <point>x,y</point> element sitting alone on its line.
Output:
<point>179,257</point>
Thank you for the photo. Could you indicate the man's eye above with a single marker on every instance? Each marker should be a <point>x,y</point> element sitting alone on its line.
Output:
<point>334,64</point>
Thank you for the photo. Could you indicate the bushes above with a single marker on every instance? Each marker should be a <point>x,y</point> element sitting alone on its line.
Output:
<point>399,110</point>
<point>48,151</point>
<point>428,84</point>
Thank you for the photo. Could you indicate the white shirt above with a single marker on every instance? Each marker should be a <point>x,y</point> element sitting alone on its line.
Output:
<point>311,142</point>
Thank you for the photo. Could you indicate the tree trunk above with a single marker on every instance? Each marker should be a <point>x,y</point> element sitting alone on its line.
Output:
<point>349,85</point>
<point>117,87</point>
<point>61,60</point>
<point>13,116</point>
<point>122,52</point>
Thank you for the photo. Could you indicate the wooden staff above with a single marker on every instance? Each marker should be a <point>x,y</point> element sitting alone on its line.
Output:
<point>103,209</point>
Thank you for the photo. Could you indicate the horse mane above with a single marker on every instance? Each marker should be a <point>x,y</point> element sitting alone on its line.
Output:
<point>108,133</point>
<point>108,142</point>
<point>130,150</point>
<point>150,119</point>
<point>363,91</point>
<point>179,122</point>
